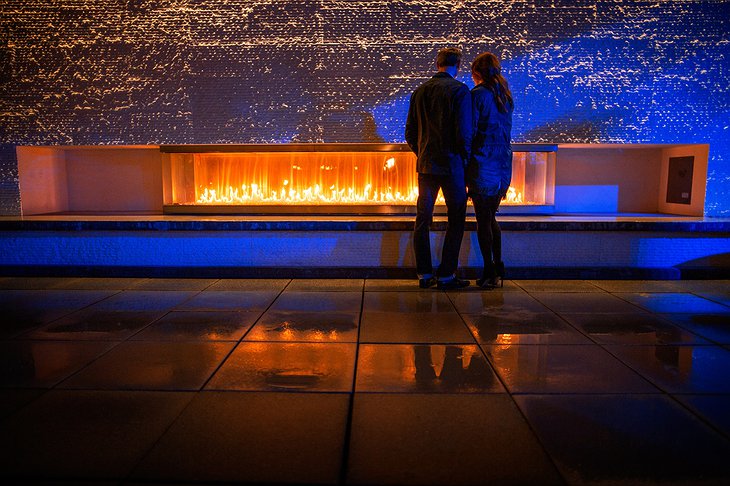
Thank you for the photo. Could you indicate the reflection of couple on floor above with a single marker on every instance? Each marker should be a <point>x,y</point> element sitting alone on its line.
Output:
<point>461,139</point>
<point>450,367</point>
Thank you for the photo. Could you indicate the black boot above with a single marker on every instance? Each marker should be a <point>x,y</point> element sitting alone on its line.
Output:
<point>453,283</point>
<point>499,270</point>
<point>489,277</point>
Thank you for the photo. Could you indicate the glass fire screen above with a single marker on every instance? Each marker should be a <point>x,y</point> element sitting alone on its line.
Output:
<point>335,176</point>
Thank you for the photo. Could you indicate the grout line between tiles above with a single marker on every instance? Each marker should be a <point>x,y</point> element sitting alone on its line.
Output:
<point>514,402</point>
<point>41,326</point>
<point>239,341</point>
<point>698,414</point>
<point>71,375</point>
<point>197,392</point>
<point>143,456</point>
<point>350,409</point>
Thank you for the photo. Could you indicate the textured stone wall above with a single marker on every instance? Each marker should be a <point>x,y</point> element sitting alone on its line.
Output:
<point>218,71</point>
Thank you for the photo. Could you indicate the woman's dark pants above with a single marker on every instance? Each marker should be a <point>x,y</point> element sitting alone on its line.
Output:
<point>489,233</point>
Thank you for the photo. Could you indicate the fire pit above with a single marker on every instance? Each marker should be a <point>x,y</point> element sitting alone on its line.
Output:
<point>322,178</point>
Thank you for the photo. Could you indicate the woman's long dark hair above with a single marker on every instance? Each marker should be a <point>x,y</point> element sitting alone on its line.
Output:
<point>486,65</point>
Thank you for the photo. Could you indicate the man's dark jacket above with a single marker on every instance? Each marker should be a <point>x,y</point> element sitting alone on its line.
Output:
<point>439,125</point>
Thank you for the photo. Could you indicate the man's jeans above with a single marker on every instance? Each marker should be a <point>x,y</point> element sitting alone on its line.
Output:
<point>454,191</point>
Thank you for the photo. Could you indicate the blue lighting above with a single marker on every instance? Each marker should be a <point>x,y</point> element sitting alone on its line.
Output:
<point>600,88</point>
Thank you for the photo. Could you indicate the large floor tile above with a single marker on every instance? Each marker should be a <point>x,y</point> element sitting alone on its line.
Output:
<point>721,297</point>
<point>522,327</point>
<point>325,285</point>
<point>715,327</point>
<point>563,369</point>
<point>715,290</point>
<point>392,285</point>
<point>413,327</point>
<point>99,283</point>
<point>675,303</point>
<point>13,399</point>
<point>85,434</point>
<point>17,324</point>
<point>436,368</point>
<point>21,310</point>
<point>174,283</point>
<point>411,285</point>
<point>638,285</point>
<point>488,302</point>
<point>42,364</point>
<point>230,300</point>
<point>274,438</point>
<point>251,284</point>
<point>680,369</point>
<point>305,367</point>
<point>95,325</point>
<point>143,300</point>
<point>404,439</point>
<point>634,328</point>
<point>423,301</point>
<point>306,326</point>
<point>199,325</point>
<point>34,283</point>
<point>152,366</point>
<point>564,302</point>
<point>718,286</point>
<point>713,408</point>
<point>635,439</point>
<point>558,286</point>
<point>507,286</point>
<point>318,302</point>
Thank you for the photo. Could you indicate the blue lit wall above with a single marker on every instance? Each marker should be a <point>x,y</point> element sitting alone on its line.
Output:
<point>217,71</point>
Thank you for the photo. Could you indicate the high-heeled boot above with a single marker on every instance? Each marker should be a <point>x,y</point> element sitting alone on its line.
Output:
<point>489,276</point>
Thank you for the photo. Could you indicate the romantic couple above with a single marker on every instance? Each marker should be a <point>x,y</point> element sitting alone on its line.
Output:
<point>462,140</point>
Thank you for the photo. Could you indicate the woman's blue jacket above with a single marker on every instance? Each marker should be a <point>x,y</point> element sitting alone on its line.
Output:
<point>489,171</point>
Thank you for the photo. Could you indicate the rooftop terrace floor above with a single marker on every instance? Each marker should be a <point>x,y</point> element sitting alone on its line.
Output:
<point>129,381</point>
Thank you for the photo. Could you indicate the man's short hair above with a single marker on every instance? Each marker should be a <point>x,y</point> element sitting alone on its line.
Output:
<point>448,56</point>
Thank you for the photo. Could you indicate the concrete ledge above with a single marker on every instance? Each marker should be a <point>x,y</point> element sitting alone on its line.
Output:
<point>368,223</point>
<point>385,253</point>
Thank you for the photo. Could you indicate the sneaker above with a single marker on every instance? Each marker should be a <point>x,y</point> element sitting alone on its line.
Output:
<point>452,284</point>
<point>425,283</point>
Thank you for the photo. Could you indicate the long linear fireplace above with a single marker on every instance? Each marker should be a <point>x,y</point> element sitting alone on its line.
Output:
<point>322,178</point>
<point>346,179</point>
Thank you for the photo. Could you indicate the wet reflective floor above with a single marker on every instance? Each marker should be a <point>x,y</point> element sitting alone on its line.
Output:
<point>207,381</point>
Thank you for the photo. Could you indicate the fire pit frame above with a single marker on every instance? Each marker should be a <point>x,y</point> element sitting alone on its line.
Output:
<point>170,207</point>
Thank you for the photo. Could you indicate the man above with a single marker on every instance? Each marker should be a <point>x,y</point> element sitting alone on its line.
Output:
<point>439,131</point>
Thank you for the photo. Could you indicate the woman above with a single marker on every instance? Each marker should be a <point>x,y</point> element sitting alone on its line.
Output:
<point>489,171</point>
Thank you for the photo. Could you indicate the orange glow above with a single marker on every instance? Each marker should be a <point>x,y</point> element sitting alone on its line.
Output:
<point>308,178</point>
<point>504,339</point>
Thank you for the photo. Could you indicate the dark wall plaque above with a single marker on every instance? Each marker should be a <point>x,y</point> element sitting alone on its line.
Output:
<point>679,184</point>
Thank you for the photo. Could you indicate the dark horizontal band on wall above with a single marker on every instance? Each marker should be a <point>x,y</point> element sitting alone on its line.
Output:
<point>364,224</point>
<point>516,273</point>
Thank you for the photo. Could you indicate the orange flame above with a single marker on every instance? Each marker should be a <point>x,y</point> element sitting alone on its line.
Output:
<point>310,178</point>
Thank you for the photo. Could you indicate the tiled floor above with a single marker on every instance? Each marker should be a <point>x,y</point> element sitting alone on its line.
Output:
<point>139,381</point>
